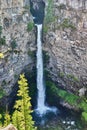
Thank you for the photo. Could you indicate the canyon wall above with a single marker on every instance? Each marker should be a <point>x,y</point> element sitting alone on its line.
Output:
<point>14,18</point>
<point>65,41</point>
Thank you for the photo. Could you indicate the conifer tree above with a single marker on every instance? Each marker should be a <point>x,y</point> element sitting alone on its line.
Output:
<point>22,118</point>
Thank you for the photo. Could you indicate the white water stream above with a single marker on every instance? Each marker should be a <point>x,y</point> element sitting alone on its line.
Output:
<point>41,107</point>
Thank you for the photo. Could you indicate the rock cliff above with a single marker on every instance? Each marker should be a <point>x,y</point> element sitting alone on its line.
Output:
<point>65,40</point>
<point>14,18</point>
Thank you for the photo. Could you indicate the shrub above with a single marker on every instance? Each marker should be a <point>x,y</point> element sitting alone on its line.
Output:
<point>13,44</point>
<point>30,26</point>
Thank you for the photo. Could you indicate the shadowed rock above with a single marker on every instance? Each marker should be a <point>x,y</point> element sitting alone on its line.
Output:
<point>37,10</point>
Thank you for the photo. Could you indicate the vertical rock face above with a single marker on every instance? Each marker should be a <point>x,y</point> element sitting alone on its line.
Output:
<point>66,40</point>
<point>14,17</point>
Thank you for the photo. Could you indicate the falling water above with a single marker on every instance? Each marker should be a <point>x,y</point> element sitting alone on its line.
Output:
<point>40,84</point>
<point>41,107</point>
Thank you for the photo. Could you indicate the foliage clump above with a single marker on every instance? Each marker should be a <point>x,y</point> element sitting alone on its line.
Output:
<point>30,26</point>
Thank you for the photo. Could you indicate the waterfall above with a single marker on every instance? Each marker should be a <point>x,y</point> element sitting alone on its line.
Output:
<point>41,107</point>
<point>40,82</point>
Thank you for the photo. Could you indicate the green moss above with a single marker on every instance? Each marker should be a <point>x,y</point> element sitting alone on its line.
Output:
<point>30,26</point>
<point>70,98</point>
<point>84,115</point>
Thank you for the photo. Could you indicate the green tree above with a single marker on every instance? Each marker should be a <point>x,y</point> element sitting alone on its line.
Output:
<point>22,118</point>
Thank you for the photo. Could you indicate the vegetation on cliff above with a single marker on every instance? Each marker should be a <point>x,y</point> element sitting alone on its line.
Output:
<point>72,99</point>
